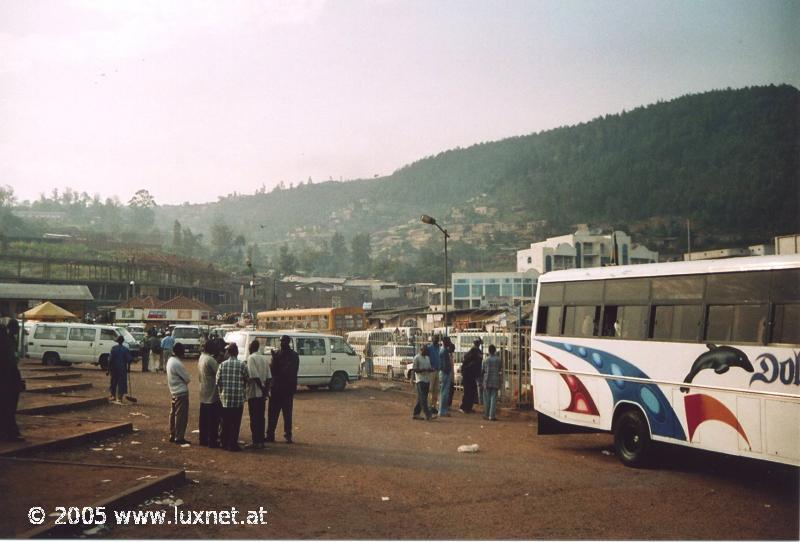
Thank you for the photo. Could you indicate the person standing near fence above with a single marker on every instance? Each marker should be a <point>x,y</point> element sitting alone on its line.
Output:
<point>445,375</point>
<point>422,381</point>
<point>470,371</point>
<point>433,381</point>
<point>491,383</point>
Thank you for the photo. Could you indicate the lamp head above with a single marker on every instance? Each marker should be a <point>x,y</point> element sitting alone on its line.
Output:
<point>428,219</point>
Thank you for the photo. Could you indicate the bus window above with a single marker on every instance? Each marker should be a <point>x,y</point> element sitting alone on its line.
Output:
<point>786,285</point>
<point>738,323</point>
<point>738,287</point>
<point>625,321</point>
<point>549,321</point>
<point>676,322</point>
<point>628,290</point>
<point>581,321</point>
<point>590,291</point>
<point>551,293</point>
<point>688,287</point>
<point>787,324</point>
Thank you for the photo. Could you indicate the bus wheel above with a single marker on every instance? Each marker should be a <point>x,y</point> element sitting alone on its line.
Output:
<point>50,358</point>
<point>390,373</point>
<point>632,439</point>
<point>104,362</point>
<point>338,382</point>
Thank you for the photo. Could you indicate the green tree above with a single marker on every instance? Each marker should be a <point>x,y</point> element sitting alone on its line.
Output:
<point>360,255</point>
<point>177,236</point>
<point>221,240</point>
<point>287,262</point>
<point>339,254</point>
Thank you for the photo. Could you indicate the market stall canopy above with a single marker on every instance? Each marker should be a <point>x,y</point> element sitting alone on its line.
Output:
<point>49,312</point>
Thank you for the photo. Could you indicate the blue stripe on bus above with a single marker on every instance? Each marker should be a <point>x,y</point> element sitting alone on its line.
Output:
<point>663,420</point>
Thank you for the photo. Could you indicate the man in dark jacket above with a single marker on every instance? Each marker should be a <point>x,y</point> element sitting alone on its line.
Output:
<point>10,382</point>
<point>284,366</point>
<point>470,370</point>
<point>119,361</point>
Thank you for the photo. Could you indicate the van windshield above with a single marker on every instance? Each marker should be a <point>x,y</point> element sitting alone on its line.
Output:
<point>186,333</point>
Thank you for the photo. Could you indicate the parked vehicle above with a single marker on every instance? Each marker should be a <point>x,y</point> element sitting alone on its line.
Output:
<point>393,359</point>
<point>325,360</point>
<point>366,342</point>
<point>64,343</point>
<point>191,337</point>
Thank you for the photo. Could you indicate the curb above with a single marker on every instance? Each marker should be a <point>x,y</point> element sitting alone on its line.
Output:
<point>119,428</point>
<point>64,407</point>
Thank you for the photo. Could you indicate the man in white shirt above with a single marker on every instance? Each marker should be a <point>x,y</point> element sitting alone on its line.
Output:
<point>257,392</point>
<point>178,381</point>
<point>210,405</point>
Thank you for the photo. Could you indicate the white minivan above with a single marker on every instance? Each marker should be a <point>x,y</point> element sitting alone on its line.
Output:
<point>191,337</point>
<point>56,343</point>
<point>325,360</point>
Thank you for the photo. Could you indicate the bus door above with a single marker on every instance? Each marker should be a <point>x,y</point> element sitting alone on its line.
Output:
<point>315,361</point>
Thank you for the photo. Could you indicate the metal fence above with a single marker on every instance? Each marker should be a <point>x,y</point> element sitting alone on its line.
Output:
<point>388,356</point>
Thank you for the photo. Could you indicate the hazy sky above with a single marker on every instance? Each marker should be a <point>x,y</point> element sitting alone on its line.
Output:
<point>193,99</point>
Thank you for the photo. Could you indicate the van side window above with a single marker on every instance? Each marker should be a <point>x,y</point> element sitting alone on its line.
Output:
<point>85,334</point>
<point>51,333</point>
<point>338,346</point>
<point>310,347</point>
<point>108,335</point>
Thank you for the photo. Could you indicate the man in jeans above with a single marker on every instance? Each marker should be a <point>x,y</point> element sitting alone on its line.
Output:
<point>491,383</point>
<point>433,356</point>
<point>422,377</point>
<point>178,380</point>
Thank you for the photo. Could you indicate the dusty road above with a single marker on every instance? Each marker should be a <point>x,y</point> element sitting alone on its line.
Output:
<point>362,468</point>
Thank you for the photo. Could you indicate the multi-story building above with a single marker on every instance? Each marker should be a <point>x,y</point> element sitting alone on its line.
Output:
<point>471,290</point>
<point>584,248</point>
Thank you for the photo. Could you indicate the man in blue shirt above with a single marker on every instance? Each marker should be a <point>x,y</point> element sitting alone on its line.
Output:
<point>118,361</point>
<point>436,365</point>
<point>167,344</point>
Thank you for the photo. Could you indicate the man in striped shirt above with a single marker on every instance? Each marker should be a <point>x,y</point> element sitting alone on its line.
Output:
<point>232,377</point>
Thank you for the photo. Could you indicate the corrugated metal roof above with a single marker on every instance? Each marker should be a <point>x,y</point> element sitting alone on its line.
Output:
<point>57,292</point>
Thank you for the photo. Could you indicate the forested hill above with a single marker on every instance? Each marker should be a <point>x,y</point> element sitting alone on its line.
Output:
<point>727,159</point>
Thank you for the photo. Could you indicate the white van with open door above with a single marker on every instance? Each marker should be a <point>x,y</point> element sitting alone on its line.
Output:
<point>325,360</point>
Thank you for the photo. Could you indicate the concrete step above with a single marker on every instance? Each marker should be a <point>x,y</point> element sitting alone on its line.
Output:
<point>45,387</point>
<point>28,377</point>
<point>55,432</point>
<point>41,403</point>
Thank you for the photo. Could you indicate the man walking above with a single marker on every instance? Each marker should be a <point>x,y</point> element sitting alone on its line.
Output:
<point>210,406</point>
<point>119,360</point>
<point>232,379</point>
<point>257,391</point>
<point>285,364</point>
<point>470,371</point>
<point>178,381</point>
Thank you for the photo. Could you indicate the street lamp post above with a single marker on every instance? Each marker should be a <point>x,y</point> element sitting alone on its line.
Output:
<point>432,221</point>
<point>133,288</point>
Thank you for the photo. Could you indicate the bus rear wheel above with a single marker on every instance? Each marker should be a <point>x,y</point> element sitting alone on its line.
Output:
<point>632,439</point>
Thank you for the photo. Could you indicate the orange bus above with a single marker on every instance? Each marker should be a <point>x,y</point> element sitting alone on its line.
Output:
<point>329,320</point>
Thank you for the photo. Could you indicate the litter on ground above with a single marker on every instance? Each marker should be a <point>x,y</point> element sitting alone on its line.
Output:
<point>468,448</point>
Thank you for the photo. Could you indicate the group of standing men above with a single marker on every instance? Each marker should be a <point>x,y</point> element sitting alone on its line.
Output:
<point>434,371</point>
<point>226,383</point>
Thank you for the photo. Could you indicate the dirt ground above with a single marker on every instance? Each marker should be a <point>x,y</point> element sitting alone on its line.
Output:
<point>361,468</point>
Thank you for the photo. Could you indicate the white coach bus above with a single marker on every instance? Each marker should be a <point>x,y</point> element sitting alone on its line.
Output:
<point>702,353</point>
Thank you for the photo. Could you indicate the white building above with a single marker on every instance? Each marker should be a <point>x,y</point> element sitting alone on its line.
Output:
<point>584,248</point>
<point>487,289</point>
